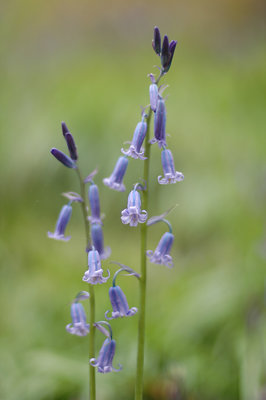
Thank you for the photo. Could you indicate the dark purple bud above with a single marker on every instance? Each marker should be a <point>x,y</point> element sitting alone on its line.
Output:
<point>172,47</point>
<point>64,128</point>
<point>165,56</point>
<point>63,158</point>
<point>71,146</point>
<point>156,43</point>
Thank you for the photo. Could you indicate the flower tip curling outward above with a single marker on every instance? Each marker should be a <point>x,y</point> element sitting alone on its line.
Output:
<point>104,362</point>
<point>133,215</point>
<point>94,274</point>
<point>136,150</point>
<point>170,174</point>
<point>115,181</point>
<point>61,224</point>
<point>119,304</point>
<point>161,254</point>
<point>79,324</point>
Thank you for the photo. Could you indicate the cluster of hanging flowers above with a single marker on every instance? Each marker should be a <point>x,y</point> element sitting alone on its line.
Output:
<point>132,215</point>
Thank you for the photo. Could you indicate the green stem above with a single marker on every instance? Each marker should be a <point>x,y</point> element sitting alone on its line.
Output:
<point>143,277</point>
<point>143,264</point>
<point>91,289</point>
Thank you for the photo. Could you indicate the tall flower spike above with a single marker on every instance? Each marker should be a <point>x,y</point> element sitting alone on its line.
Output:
<point>135,150</point>
<point>94,274</point>
<point>79,324</point>
<point>105,359</point>
<point>94,201</point>
<point>97,241</point>
<point>133,215</point>
<point>161,254</point>
<point>159,123</point>
<point>65,160</point>
<point>119,304</point>
<point>116,178</point>
<point>61,224</point>
<point>170,174</point>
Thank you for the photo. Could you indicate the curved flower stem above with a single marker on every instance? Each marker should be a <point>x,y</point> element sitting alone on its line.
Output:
<point>91,289</point>
<point>143,277</point>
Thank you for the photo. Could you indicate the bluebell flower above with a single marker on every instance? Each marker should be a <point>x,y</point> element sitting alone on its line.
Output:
<point>116,178</point>
<point>167,53</point>
<point>94,201</point>
<point>133,215</point>
<point>97,241</point>
<point>170,174</point>
<point>135,150</point>
<point>94,274</point>
<point>105,360</point>
<point>161,254</point>
<point>64,159</point>
<point>61,224</point>
<point>119,304</point>
<point>79,324</point>
<point>153,96</point>
<point>159,124</point>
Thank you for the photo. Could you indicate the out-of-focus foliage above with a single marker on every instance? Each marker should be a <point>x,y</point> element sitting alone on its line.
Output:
<point>87,64</point>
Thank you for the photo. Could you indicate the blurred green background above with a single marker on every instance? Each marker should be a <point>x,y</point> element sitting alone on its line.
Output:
<point>87,63</point>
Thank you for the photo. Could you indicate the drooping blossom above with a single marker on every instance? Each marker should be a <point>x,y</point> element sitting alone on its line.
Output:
<point>104,362</point>
<point>159,123</point>
<point>97,241</point>
<point>79,324</point>
<point>135,150</point>
<point>94,200</point>
<point>133,214</point>
<point>170,174</point>
<point>61,224</point>
<point>161,254</point>
<point>119,304</point>
<point>115,181</point>
<point>94,274</point>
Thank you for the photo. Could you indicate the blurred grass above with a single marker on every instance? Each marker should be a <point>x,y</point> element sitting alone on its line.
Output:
<point>206,321</point>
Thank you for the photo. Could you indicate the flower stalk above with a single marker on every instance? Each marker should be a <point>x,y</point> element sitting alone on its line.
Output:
<point>92,383</point>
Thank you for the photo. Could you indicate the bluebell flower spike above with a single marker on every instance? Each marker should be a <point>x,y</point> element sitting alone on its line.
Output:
<point>159,123</point>
<point>104,362</point>
<point>115,181</point>
<point>135,149</point>
<point>79,324</point>
<point>170,174</point>
<point>161,254</point>
<point>94,200</point>
<point>133,215</point>
<point>98,242</point>
<point>63,158</point>
<point>61,224</point>
<point>94,274</point>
